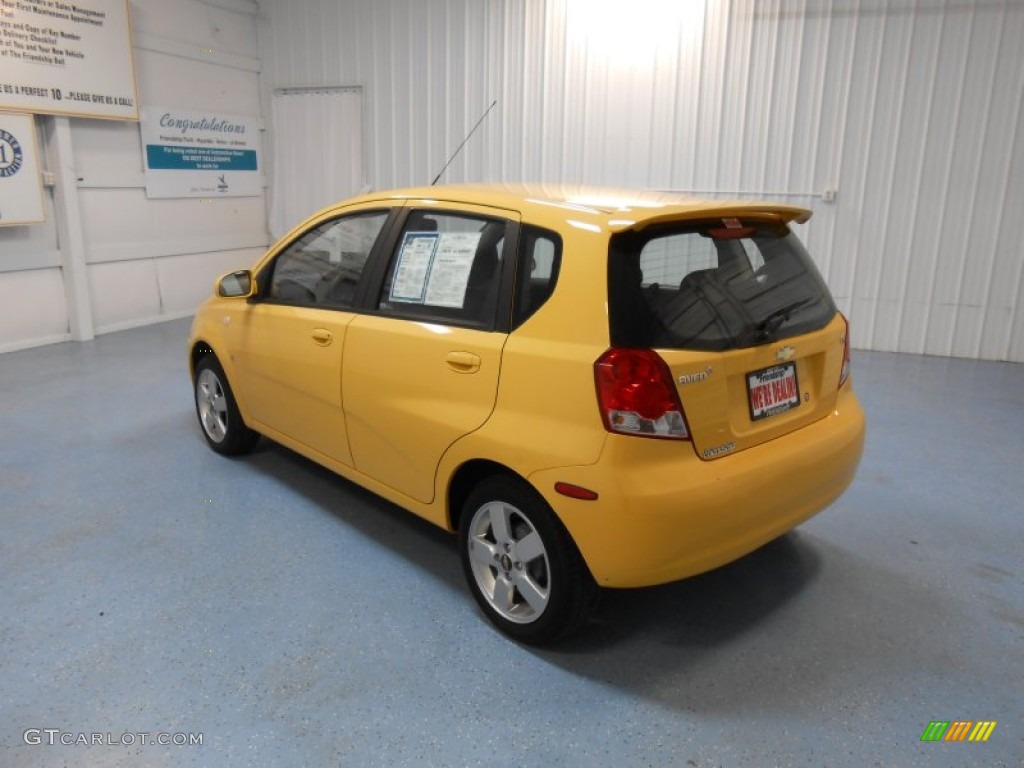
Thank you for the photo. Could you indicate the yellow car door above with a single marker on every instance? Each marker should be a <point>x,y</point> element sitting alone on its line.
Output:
<point>290,341</point>
<point>290,360</point>
<point>421,365</point>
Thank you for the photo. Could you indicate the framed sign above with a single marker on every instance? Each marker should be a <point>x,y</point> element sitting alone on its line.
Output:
<point>67,58</point>
<point>200,154</point>
<point>21,188</point>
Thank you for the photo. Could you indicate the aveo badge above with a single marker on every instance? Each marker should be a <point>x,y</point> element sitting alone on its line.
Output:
<point>719,450</point>
<point>693,378</point>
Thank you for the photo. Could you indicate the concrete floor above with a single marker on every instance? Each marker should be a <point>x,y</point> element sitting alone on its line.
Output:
<point>292,619</point>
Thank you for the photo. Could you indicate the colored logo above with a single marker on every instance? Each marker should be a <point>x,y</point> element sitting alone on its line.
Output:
<point>958,730</point>
<point>11,156</point>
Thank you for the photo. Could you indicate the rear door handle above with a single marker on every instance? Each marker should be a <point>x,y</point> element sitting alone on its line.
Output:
<point>322,336</point>
<point>463,362</point>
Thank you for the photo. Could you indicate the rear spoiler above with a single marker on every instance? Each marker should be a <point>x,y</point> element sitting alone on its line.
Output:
<point>715,210</point>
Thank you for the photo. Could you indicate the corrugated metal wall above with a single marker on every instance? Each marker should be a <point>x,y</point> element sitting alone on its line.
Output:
<point>909,110</point>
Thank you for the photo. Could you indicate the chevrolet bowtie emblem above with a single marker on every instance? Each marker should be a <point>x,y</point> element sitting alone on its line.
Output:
<point>786,353</point>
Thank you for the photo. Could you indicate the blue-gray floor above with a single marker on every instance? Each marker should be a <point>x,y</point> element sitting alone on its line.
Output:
<point>292,619</point>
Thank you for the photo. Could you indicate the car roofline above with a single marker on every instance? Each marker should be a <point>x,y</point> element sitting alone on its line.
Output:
<point>615,208</point>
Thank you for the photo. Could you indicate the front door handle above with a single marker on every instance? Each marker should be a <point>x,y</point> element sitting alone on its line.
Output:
<point>463,362</point>
<point>322,336</point>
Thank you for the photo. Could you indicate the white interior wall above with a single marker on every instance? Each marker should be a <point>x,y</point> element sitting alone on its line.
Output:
<point>33,308</point>
<point>145,260</point>
<point>910,110</point>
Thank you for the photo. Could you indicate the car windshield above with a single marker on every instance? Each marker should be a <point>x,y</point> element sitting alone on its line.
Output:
<point>713,285</point>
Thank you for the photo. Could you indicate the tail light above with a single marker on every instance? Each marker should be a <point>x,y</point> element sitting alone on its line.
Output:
<point>637,396</point>
<point>845,373</point>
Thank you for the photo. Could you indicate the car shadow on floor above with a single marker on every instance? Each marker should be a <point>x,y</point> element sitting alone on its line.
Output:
<point>791,625</point>
<point>803,625</point>
<point>421,543</point>
<point>703,611</point>
<point>707,609</point>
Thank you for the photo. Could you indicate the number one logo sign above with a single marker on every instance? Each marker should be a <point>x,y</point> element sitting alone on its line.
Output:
<point>11,156</point>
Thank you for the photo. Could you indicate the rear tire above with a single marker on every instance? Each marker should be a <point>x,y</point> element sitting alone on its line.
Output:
<point>219,419</point>
<point>521,565</point>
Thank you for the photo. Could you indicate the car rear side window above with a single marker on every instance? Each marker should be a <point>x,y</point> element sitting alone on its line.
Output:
<point>446,268</point>
<point>540,256</point>
<point>322,267</point>
<point>713,285</point>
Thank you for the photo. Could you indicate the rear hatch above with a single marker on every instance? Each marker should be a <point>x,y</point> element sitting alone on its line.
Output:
<point>741,316</point>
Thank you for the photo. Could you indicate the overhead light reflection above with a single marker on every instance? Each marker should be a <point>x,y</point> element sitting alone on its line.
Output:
<point>636,32</point>
<point>583,225</point>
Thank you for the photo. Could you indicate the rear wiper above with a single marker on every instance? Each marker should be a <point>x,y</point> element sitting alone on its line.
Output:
<point>770,324</point>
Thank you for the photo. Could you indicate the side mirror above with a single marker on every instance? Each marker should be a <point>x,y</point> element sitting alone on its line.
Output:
<point>236,285</point>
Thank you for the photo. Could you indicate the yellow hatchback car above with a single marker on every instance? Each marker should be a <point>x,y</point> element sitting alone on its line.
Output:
<point>594,388</point>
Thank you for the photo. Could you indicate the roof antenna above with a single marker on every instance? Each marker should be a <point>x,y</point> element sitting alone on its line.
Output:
<point>456,152</point>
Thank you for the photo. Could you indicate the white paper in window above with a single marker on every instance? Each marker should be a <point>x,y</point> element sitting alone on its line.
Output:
<point>414,258</point>
<point>449,273</point>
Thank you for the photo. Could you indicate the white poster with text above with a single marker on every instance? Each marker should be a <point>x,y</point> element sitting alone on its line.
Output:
<point>67,58</point>
<point>200,154</point>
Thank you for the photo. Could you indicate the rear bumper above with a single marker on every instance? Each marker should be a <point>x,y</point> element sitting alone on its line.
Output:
<point>664,514</point>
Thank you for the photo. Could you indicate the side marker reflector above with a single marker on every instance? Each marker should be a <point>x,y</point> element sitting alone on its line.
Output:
<point>575,491</point>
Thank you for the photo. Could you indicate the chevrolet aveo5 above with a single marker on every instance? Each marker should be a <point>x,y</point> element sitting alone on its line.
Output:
<point>592,388</point>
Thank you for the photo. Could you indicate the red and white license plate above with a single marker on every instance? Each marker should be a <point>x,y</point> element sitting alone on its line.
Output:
<point>772,390</point>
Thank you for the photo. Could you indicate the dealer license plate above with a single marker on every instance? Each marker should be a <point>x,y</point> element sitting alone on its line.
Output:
<point>772,391</point>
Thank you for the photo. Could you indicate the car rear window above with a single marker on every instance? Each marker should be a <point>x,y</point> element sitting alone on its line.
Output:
<point>713,285</point>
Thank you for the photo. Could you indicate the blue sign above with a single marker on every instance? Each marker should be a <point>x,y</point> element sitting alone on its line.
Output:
<point>169,158</point>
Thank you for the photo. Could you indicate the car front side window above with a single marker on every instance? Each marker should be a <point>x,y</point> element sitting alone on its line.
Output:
<point>323,266</point>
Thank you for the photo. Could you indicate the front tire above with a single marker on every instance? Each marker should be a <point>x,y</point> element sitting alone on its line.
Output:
<point>522,566</point>
<point>219,419</point>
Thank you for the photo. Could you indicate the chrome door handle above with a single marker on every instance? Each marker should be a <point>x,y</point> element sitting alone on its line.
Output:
<point>463,362</point>
<point>322,336</point>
